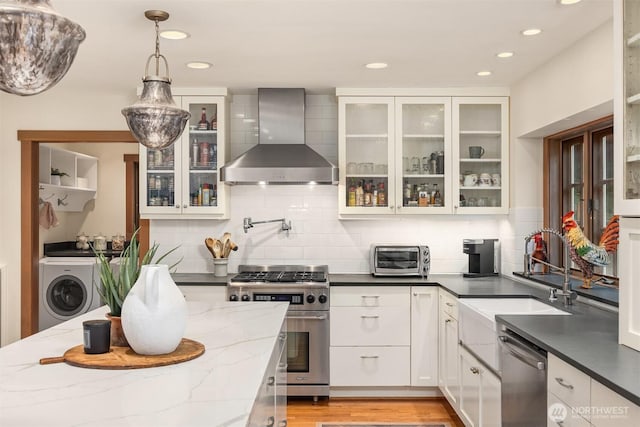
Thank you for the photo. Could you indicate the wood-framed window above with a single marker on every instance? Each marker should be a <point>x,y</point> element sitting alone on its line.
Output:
<point>578,176</point>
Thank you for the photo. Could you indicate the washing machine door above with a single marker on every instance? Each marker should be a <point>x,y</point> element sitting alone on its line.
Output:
<point>66,296</point>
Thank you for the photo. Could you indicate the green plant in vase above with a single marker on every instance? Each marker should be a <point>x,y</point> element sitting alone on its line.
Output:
<point>56,176</point>
<point>116,286</point>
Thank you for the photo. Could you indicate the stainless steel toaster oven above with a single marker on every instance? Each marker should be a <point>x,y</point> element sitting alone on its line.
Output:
<point>400,260</point>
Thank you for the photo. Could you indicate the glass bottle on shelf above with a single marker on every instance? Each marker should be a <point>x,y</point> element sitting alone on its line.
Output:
<point>382,197</point>
<point>203,124</point>
<point>437,198</point>
<point>351,201</point>
<point>214,121</point>
<point>359,194</point>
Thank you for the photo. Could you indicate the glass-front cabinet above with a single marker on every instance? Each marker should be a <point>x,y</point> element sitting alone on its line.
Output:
<point>183,180</point>
<point>366,154</point>
<point>627,108</point>
<point>423,154</point>
<point>480,149</point>
<point>393,155</point>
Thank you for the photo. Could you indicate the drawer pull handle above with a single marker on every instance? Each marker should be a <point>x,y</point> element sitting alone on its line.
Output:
<point>369,317</point>
<point>448,321</point>
<point>474,370</point>
<point>563,384</point>
<point>560,423</point>
<point>369,357</point>
<point>370,296</point>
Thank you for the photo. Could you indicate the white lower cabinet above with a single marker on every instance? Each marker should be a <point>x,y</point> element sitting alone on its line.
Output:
<point>575,399</point>
<point>369,366</point>
<point>370,336</point>
<point>270,406</point>
<point>424,336</point>
<point>479,393</point>
<point>448,359</point>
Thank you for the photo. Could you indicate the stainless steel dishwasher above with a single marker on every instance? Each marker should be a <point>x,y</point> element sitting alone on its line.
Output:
<point>524,381</point>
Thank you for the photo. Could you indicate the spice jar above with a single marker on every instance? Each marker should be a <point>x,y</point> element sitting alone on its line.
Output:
<point>100,242</point>
<point>117,242</point>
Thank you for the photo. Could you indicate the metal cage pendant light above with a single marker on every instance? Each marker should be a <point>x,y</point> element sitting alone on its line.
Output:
<point>37,46</point>
<point>155,120</point>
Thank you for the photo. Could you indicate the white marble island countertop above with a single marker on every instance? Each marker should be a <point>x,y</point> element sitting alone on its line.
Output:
<point>216,389</point>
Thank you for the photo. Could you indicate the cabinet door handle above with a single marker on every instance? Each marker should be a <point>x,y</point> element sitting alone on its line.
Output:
<point>369,317</point>
<point>391,207</point>
<point>271,381</point>
<point>185,206</point>
<point>282,423</point>
<point>560,381</point>
<point>270,422</point>
<point>448,304</point>
<point>369,357</point>
<point>177,206</point>
<point>448,321</point>
<point>474,370</point>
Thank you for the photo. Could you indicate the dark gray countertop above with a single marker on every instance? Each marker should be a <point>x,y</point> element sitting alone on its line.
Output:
<point>200,279</point>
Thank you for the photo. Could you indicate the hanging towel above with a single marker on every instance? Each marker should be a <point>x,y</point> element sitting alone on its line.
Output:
<point>48,217</point>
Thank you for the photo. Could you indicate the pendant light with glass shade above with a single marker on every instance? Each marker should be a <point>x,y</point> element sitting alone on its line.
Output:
<point>155,120</point>
<point>37,46</point>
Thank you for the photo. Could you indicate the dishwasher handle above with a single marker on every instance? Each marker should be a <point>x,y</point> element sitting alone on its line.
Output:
<point>520,351</point>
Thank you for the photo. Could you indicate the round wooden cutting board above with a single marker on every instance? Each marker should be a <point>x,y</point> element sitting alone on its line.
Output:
<point>126,358</point>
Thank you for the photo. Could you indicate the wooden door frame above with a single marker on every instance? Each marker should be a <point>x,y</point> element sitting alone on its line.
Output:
<point>29,250</point>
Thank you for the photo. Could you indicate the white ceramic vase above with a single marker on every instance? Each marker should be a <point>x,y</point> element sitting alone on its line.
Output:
<point>154,313</point>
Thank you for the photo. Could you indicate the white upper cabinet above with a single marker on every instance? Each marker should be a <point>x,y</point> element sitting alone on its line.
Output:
<point>182,181</point>
<point>422,155</point>
<point>481,153</point>
<point>627,107</point>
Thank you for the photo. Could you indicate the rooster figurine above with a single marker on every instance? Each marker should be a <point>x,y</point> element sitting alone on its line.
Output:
<point>586,254</point>
<point>539,252</point>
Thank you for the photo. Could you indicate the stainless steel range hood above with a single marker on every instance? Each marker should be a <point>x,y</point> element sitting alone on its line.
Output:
<point>281,156</point>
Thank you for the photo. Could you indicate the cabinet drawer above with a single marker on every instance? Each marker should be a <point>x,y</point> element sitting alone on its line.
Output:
<point>568,383</point>
<point>371,296</point>
<point>370,326</point>
<point>561,415</point>
<point>369,366</point>
<point>448,304</point>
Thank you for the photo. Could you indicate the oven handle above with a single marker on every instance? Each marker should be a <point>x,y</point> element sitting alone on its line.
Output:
<point>323,317</point>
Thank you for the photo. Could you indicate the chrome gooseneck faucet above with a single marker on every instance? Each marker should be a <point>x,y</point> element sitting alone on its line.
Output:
<point>566,292</point>
<point>248,223</point>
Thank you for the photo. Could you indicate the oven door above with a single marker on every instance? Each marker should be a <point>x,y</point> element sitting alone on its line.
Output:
<point>307,348</point>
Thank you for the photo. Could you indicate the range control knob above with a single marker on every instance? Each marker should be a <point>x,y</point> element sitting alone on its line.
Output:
<point>311,299</point>
<point>233,297</point>
<point>245,297</point>
<point>322,298</point>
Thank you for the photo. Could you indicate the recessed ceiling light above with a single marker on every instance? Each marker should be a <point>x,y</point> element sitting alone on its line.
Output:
<point>483,73</point>
<point>505,55</point>
<point>377,65</point>
<point>198,65</point>
<point>569,1</point>
<point>173,34</point>
<point>531,32</point>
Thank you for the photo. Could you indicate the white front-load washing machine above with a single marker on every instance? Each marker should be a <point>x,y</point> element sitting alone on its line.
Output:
<point>67,289</point>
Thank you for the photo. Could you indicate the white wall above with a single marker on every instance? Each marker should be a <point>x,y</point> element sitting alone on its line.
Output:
<point>571,89</point>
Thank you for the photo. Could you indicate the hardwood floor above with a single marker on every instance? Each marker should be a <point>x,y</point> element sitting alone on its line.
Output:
<point>302,412</point>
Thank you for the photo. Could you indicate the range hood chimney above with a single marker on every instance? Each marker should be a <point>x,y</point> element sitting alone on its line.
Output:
<point>281,156</point>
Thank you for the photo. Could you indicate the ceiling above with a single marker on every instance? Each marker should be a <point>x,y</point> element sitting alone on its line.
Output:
<point>324,44</point>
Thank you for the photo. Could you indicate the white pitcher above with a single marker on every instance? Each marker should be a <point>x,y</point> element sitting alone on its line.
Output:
<point>154,313</point>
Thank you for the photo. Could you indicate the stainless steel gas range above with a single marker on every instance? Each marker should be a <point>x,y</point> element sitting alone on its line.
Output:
<point>306,289</point>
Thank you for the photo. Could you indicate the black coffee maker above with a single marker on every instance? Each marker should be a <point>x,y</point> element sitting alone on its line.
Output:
<point>484,257</point>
